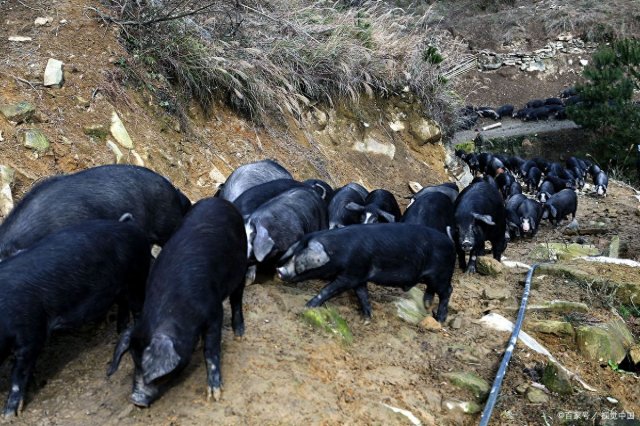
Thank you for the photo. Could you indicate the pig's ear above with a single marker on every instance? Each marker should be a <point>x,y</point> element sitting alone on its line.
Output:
<point>484,218</point>
<point>354,207</point>
<point>159,358</point>
<point>387,216</point>
<point>262,243</point>
<point>121,348</point>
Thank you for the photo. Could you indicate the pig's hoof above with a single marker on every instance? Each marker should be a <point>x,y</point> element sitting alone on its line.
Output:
<point>238,337</point>
<point>214,393</point>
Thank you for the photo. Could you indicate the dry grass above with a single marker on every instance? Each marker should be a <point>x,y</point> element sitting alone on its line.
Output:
<point>283,56</point>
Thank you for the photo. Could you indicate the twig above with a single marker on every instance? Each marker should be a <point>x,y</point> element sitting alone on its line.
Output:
<point>165,18</point>
<point>279,20</point>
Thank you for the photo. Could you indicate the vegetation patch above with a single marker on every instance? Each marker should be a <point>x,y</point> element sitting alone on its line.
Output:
<point>284,56</point>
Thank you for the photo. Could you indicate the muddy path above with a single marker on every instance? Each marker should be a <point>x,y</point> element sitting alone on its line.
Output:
<point>285,372</point>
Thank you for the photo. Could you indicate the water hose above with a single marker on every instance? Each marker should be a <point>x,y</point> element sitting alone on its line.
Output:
<point>497,382</point>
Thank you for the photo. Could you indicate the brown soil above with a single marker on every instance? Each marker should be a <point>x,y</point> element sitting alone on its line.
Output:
<point>282,371</point>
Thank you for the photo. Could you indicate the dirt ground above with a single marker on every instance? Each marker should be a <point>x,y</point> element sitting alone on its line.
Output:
<point>282,371</point>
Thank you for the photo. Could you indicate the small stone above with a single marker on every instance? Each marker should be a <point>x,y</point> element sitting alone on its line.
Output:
<point>137,159</point>
<point>456,323</point>
<point>469,381</point>
<point>119,132</point>
<point>488,266</point>
<point>535,66</point>
<point>430,323</point>
<point>116,151</point>
<point>36,140</point>
<point>19,38</point>
<point>614,247</point>
<point>42,21</point>
<point>7,174</point>
<point>612,400</point>
<point>584,62</point>
<point>466,407</point>
<point>96,130</point>
<point>425,130</point>
<point>415,187</point>
<point>82,102</point>
<point>556,380</point>
<point>53,75</point>
<point>522,388</point>
<point>492,293</point>
<point>19,113</point>
<point>537,396</point>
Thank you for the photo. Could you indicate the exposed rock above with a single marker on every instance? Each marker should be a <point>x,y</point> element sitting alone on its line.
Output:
<point>329,320</point>
<point>96,130</point>
<point>119,132</point>
<point>634,355</point>
<point>488,266</point>
<point>456,323</point>
<point>604,342</point>
<point>116,151</point>
<point>7,175</point>
<point>558,328</point>
<point>53,76</point>
<point>425,130</point>
<point>36,140</point>
<point>537,396</point>
<point>411,308</point>
<point>493,293</point>
<point>614,247</point>
<point>430,323</point>
<point>396,126</point>
<point>20,113</point>
<point>584,62</point>
<point>369,144</point>
<point>556,380</point>
<point>466,407</point>
<point>522,388</point>
<point>553,251</point>
<point>470,381</point>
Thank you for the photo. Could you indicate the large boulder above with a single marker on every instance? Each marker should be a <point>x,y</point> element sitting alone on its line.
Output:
<point>488,266</point>
<point>604,342</point>
<point>371,145</point>
<point>425,130</point>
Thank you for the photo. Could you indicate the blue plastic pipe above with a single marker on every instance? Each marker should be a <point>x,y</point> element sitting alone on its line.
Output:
<point>497,382</point>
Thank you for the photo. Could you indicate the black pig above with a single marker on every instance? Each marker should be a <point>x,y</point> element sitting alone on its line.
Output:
<point>204,263</point>
<point>104,192</point>
<point>395,255</point>
<point>65,280</point>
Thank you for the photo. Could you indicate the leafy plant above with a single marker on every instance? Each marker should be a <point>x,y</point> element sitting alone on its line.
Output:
<point>607,107</point>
